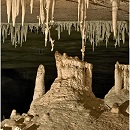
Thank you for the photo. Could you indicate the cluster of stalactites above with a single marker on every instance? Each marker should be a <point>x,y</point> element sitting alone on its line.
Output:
<point>96,31</point>
<point>14,6</point>
<point>82,10</point>
<point>45,7</point>
<point>18,33</point>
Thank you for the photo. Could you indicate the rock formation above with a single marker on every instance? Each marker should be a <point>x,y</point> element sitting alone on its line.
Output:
<point>70,103</point>
<point>39,84</point>
<point>39,89</point>
<point>120,91</point>
<point>13,114</point>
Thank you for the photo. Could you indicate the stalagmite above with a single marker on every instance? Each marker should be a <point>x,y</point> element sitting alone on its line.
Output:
<point>31,5</point>
<point>118,81</point>
<point>8,4</point>
<point>13,113</point>
<point>39,90</point>
<point>115,5</point>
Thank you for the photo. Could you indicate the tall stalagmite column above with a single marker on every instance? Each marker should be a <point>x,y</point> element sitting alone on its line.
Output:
<point>39,84</point>
<point>118,79</point>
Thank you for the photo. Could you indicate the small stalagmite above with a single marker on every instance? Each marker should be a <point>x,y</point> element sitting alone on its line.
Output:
<point>13,114</point>
<point>39,83</point>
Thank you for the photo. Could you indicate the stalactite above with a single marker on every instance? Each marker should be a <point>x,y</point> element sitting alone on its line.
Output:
<point>115,5</point>
<point>22,34</point>
<point>47,20</point>
<point>87,2</point>
<point>103,30</point>
<point>23,10</point>
<point>123,35</point>
<point>58,30</point>
<point>61,27</point>
<point>3,33</point>
<point>118,38</point>
<point>52,41</point>
<point>69,28</point>
<point>79,4</point>
<point>25,32</point>
<point>8,4</point>
<point>42,14</point>
<point>17,7</point>
<point>31,27</point>
<point>31,6</point>
<point>43,28</point>
<point>52,13</point>
<point>17,33</point>
<point>46,35</point>
<point>14,11</point>
<point>64,26</point>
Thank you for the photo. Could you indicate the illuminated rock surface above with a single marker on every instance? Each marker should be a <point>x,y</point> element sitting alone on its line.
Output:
<point>120,91</point>
<point>70,102</point>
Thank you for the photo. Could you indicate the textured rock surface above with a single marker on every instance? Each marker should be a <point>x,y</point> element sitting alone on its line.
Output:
<point>70,103</point>
<point>120,91</point>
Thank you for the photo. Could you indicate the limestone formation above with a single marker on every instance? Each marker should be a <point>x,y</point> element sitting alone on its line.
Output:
<point>68,67</point>
<point>120,91</point>
<point>13,113</point>
<point>39,83</point>
<point>96,31</point>
<point>70,103</point>
<point>121,77</point>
